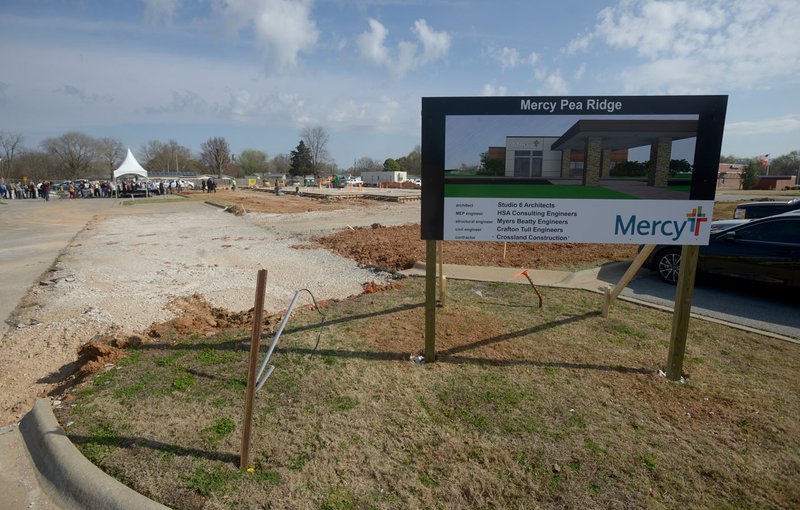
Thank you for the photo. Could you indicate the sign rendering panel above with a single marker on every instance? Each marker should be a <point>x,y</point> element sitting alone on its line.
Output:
<point>633,169</point>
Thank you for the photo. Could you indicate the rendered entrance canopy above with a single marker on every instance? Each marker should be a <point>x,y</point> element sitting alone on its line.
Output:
<point>564,169</point>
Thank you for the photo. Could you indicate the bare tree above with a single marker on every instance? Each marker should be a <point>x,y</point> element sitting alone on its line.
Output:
<point>36,165</point>
<point>280,164</point>
<point>110,153</point>
<point>74,151</point>
<point>367,164</point>
<point>216,155</point>
<point>169,157</point>
<point>149,152</point>
<point>10,143</point>
<point>316,138</point>
<point>412,163</point>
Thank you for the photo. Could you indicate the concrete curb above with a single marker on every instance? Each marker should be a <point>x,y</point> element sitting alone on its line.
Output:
<point>67,477</point>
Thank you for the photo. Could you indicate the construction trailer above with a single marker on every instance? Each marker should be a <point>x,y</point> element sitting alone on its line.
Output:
<point>376,178</point>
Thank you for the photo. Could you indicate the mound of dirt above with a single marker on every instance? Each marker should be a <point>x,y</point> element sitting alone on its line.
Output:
<point>398,247</point>
<point>93,356</point>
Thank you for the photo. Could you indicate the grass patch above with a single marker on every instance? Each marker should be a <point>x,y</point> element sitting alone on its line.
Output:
<point>220,429</point>
<point>183,382</point>
<point>533,191</point>
<point>525,408</point>
<point>216,357</point>
<point>208,480</point>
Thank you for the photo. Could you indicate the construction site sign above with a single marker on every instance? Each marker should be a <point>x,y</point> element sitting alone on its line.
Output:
<point>615,169</point>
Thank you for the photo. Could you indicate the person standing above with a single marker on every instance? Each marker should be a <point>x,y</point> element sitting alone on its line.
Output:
<point>46,190</point>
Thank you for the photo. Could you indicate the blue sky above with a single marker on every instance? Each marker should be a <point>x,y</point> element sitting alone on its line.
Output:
<point>258,71</point>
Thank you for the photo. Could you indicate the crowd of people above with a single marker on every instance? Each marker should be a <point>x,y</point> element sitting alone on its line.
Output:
<point>24,190</point>
<point>13,190</point>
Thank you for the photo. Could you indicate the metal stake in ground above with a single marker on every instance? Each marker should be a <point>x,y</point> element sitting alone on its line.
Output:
<point>525,272</point>
<point>258,319</point>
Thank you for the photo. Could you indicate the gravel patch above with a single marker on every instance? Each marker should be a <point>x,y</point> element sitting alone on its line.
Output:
<point>121,272</point>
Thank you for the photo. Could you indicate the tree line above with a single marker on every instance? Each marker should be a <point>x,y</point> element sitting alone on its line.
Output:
<point>76,155</point>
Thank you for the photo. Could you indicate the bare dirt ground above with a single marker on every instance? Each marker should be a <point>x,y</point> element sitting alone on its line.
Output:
<point>398,247</point>
<point>134,268</point>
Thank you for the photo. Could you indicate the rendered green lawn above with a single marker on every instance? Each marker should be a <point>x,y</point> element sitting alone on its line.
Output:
<point>532,191</point>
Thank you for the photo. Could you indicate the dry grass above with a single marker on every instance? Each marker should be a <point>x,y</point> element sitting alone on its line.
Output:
<point>526,408</point>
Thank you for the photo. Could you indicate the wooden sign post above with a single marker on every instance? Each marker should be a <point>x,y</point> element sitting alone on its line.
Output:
<point>683,308</point>
<point>255,341</point>
<point>430,301</point>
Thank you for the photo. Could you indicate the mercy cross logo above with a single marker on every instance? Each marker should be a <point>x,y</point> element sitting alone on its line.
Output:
<point>696,218</point>
<point>667,228</point>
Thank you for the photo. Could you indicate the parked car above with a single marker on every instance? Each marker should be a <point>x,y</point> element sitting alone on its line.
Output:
<point>718,225</point>
<point>763,250</point>
<point>753,210</point>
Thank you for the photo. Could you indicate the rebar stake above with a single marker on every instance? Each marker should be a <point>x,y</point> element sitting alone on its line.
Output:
<point>528,276</point>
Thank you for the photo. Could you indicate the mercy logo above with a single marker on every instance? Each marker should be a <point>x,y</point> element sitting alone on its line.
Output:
<point>667,228</point>
<point>696,218</point>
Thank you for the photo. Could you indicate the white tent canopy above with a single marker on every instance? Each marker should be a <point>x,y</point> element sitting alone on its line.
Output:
<point>130,167</point>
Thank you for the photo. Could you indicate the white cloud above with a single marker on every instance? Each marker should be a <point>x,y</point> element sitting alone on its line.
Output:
<point>580,43</point>
<point>156,11</point>
<point>379,113</point>
<point>372,46</point>
<point>490,89</point>
<point>509,58</point>
<point>702,45</point>
<point>281,28</point>
<point>182,101</point>
<point>85,96</point>
<point>580,71</point>
<point>435,44</point>
<point>554,85</point>
<point>785,124</point>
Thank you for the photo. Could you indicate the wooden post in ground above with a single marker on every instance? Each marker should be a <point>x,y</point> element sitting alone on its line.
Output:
<point>683,307</point>
<point>255,341</point>
<point>442,279</point>
<point>430,301</point>
<point>612,294</point>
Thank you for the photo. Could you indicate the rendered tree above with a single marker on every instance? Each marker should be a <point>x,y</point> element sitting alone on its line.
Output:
<point>301,161</point>
<point>316,140</point>
<point>491,166</point>
<point>216,155</point>
<point>75,152</point>
<point>679,166</point>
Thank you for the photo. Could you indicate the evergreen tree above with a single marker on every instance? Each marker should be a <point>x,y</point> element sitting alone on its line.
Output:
<point>301,161</point>
<point>750,175</point>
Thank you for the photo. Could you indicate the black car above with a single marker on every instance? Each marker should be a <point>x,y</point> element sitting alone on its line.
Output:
<point>764,250</point>
<point>753,210</point>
